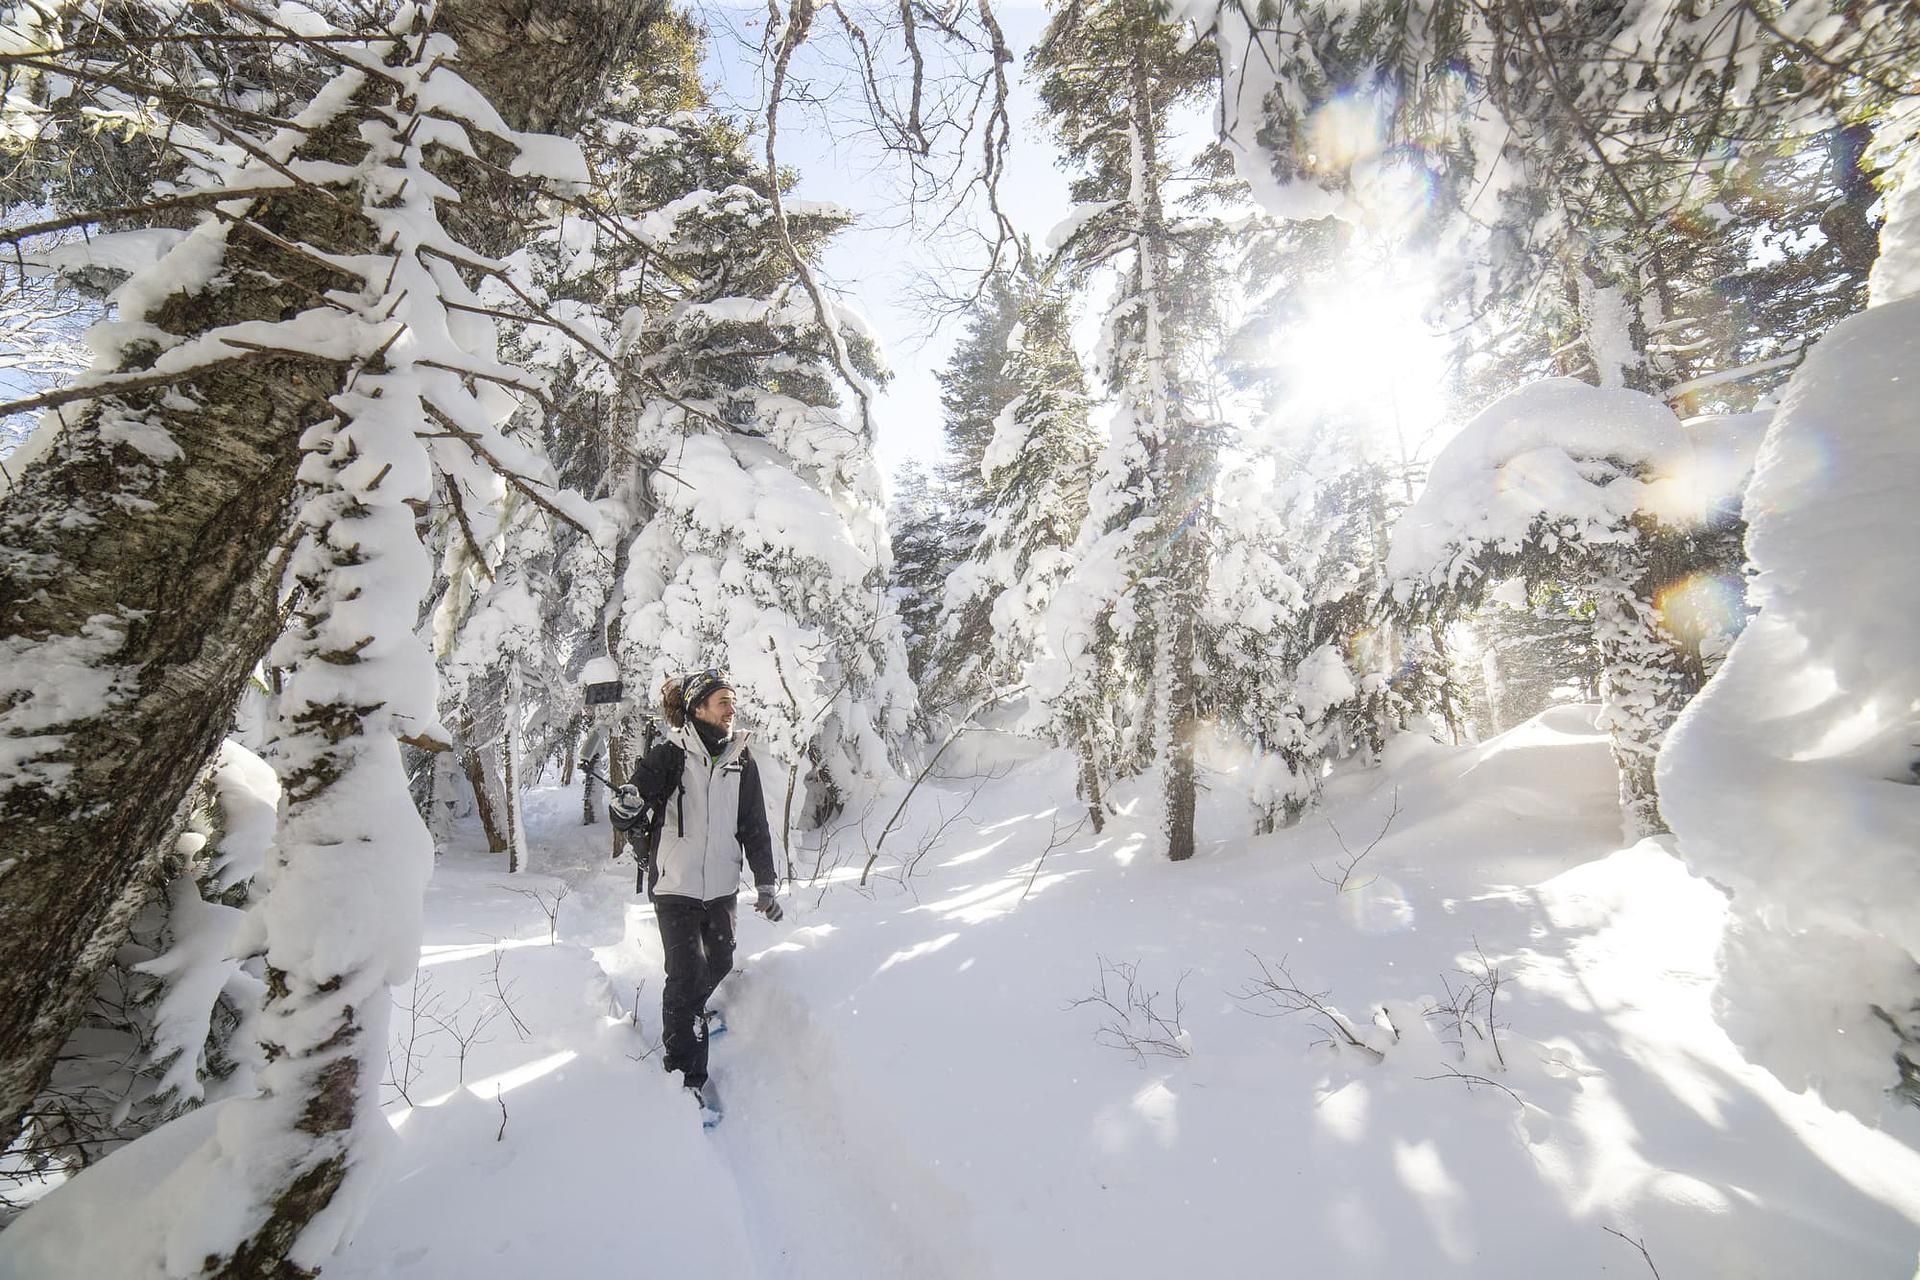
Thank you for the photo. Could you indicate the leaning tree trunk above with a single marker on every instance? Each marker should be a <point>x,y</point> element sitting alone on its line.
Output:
<point>139,572</point>
<point>141,553</point>
<point>475,767</point>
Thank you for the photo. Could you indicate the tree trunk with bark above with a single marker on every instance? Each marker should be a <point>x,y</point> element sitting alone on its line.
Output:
<point>1089,788</point>
<point>141,556</point>
<point>148,571</point>
<point>1182,474</point>
<point>510,780</point>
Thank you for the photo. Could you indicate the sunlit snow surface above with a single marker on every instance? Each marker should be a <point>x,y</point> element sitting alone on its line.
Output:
<point>910,1091</point>
<point>913,1092</point>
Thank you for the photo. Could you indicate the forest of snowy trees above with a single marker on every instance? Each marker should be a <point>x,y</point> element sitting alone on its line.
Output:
<point>380,376</point>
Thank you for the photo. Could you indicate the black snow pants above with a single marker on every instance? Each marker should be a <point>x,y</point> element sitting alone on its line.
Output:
<point>698,939</point>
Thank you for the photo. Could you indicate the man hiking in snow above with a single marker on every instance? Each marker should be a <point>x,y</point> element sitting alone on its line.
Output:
<point>699,794</point>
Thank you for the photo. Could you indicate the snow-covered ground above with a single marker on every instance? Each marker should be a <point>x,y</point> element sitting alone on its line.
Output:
<point>912,1088</point>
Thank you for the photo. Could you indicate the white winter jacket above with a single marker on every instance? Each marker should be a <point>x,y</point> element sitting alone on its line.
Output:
<point>708,813</point>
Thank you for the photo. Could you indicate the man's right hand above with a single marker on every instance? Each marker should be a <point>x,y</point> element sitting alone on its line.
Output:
<point>625,804</point>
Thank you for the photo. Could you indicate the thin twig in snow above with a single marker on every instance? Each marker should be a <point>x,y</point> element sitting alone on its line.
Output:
<point>549,905</point>
<point>1470,1079</point>
<point>1638,1244</point>
<point>1055,842</point>
<point>1276,986</point>
<point>1353,860</point>
<point>500,993</point>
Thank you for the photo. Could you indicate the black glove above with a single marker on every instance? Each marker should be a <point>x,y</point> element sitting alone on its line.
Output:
<point>635,840</point>
<point>626,803</point>
<point>768,905</point>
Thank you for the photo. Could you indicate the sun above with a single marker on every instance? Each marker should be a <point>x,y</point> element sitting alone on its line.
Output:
<point>1362,351</point>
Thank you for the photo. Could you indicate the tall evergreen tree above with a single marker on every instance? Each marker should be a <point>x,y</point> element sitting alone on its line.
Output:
<point>260,415</point>
<point>975,387</point>
<point>920,565</point>
<point>692,393</point>
<point>1035,471</point>
<point>1111,77</point>
<point>758,527</point>
<point>1032,471</point>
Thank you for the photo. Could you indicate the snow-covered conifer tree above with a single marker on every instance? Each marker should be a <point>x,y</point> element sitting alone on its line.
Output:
<point>1588,489</point>
<point>1111,76</point>
<point>758,535</point>
<point>1033,471</point>
<point>317,334</point>
<point>917,517</point>
<point>1304,662</point>
<point>974,387</point>
<point>691,390</point>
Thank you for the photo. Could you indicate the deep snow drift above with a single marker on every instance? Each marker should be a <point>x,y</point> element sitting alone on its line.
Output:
<point>912,1089</point>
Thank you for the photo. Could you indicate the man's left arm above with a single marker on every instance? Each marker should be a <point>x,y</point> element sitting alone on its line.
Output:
<point>752,831</point>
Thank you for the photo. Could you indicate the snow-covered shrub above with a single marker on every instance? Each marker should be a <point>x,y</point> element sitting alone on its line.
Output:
<point>1594,492</point>
<point>165,1028</point>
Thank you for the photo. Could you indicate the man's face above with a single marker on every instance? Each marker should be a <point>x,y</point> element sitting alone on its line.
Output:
<point>717,710</point>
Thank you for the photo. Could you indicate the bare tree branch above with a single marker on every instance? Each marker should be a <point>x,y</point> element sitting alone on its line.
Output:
<point>1353,860</point>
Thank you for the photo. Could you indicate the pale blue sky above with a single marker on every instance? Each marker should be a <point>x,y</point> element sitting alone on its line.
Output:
<point>879,264</point>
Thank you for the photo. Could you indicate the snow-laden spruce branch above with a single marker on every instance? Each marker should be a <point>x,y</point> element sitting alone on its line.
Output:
<point>334,218</point>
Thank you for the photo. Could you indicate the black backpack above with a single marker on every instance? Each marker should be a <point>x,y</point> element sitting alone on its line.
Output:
<point>647,872</point>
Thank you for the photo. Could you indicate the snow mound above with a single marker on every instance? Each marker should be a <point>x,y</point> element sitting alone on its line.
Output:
<point>1791,778</point>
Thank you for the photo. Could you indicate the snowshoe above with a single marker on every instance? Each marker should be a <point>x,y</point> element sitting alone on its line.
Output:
<point>716,1023</point>
<point>708,1099</point>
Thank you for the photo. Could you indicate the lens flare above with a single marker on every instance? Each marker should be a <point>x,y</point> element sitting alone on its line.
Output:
<point>1703,610</point>
<point>1342,131</point>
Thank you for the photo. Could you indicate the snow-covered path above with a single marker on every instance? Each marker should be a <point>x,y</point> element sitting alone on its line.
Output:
<point>603,1169</point>
<point>822,1184</point>
<point>912,1090</point>
<point>573,1185</point>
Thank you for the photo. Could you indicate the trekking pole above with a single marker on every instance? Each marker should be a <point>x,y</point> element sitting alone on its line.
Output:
<point>607,782</point>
